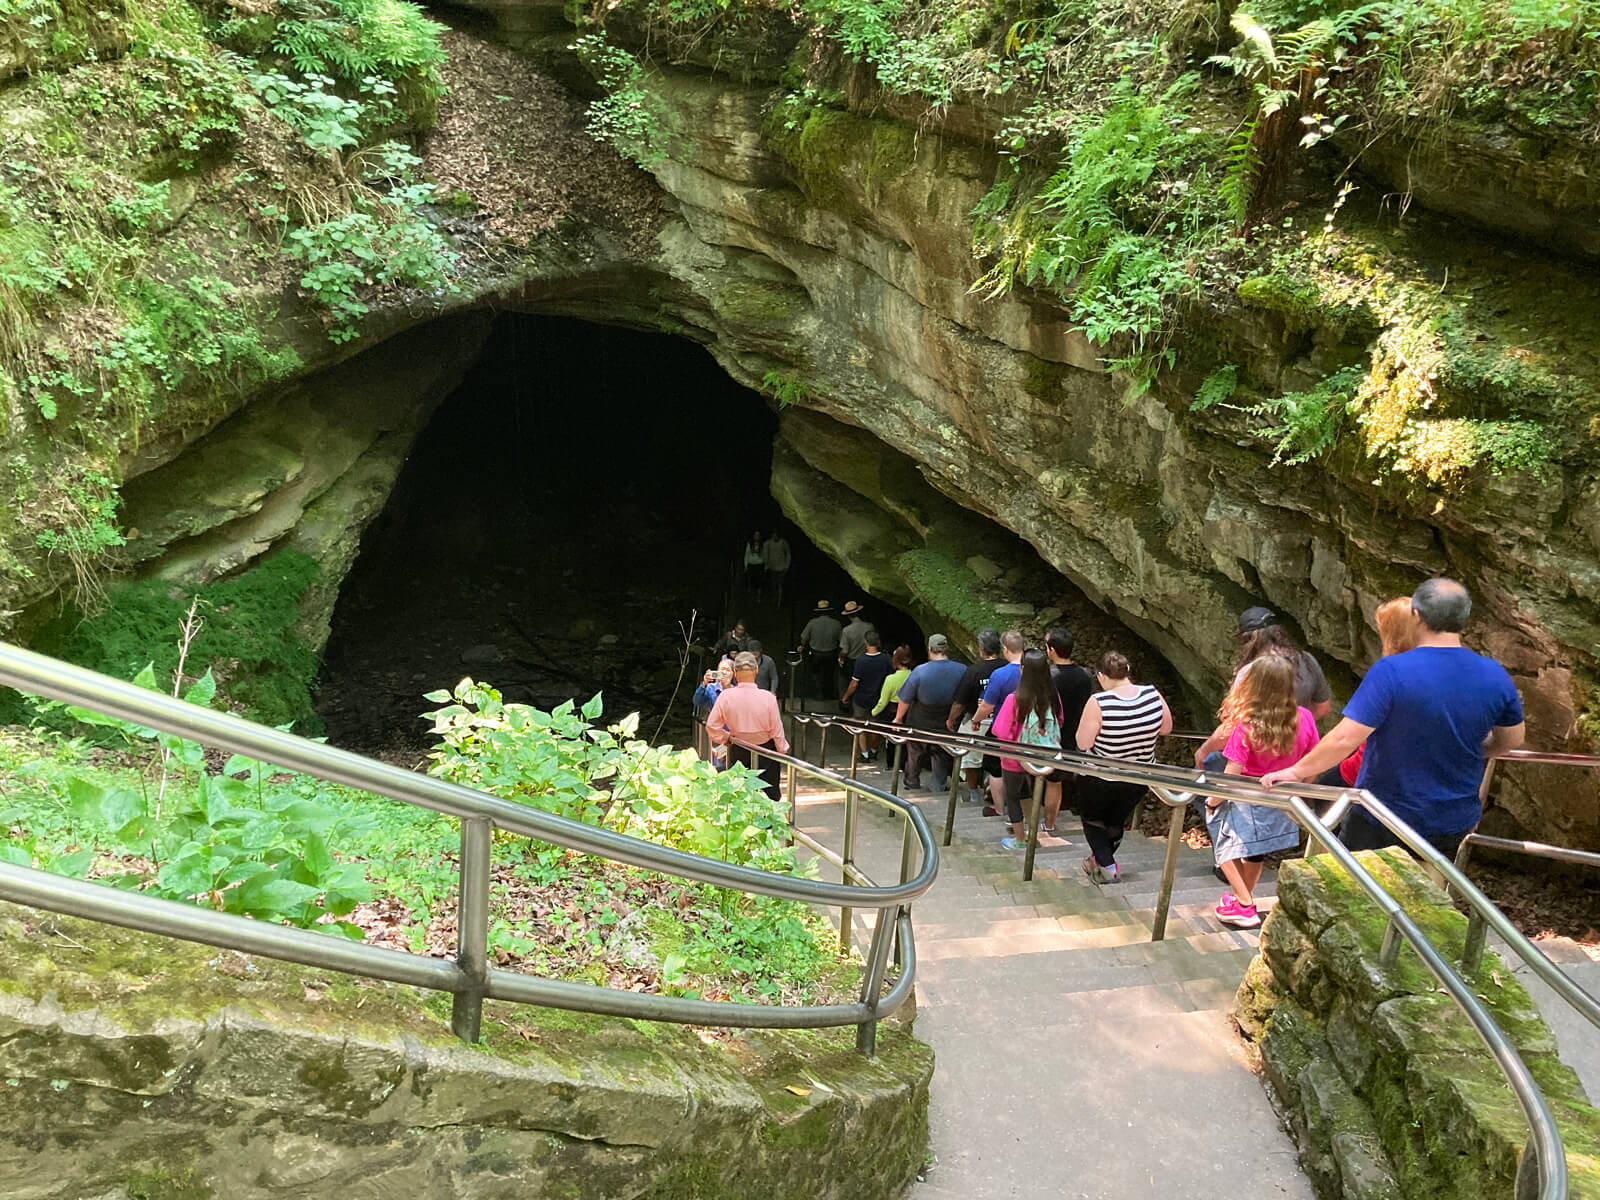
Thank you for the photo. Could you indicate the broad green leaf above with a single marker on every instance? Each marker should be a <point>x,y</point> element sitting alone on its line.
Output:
<point>342,929</point>
<point>266,895</point>
<point>202,691</point>
<point>187,874</point>
<point>14,854</point>
<point>73,865</point>
<point>119,806</point>
<point>147,678</point>
<point>438,697</point>
<point>318,858</point>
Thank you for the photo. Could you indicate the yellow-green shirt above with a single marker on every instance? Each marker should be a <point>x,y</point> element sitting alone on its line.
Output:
<point>891,690</point>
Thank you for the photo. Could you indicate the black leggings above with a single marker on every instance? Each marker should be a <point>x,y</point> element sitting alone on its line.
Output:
<point>1016,784</point>
<point>1105,807</point>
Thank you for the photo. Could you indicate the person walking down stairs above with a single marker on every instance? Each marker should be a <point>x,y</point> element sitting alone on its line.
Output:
<point>1121,721</point>
<point>819,642</point>
<point>775,554</point>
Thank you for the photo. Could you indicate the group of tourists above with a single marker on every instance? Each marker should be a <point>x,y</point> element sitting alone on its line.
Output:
<point>1035,697</point>
<point>764,564</point>
<point>1417,733</point>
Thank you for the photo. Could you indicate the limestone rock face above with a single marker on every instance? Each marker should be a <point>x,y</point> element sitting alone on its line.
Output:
<point>150,1068</point>
<point>932,434</point>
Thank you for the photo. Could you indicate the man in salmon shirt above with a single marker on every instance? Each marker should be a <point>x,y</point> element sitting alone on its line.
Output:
<point>750,714</point>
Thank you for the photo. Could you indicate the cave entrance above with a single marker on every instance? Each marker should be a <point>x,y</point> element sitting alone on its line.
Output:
<point>581,492</point>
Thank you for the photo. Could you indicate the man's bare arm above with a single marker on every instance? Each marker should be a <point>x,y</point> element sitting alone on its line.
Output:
<point>1332,750</point>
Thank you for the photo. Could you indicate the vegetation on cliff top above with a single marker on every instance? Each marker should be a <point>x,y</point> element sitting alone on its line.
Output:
<point>173,175</point>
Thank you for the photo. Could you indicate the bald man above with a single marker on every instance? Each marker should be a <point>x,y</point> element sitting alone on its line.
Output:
<point>1430,718</point>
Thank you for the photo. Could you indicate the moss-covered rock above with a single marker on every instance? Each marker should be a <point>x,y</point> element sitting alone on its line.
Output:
<point>169,1071</point>
<point>1387,1086</point>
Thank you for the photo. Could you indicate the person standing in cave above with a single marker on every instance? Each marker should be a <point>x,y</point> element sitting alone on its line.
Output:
<point>1261,634</point>
<point>751,715</point>
<point>735,640</point>
<point>775,551</point>
<point>767,670</point>
<point>755,565</point>
<point>852,639</point>
<point>1430,719</point>
<point>925,699</point>
<point>819,642</point>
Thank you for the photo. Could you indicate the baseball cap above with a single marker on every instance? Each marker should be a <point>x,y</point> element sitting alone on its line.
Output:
<point>745,661</point>
<point>1252,619</point>
<point>939,643</point>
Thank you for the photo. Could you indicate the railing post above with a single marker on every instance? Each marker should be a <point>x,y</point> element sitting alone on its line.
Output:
<point>950,812</point>
<point>801,731</point>
<point>905,874</point>
<point>855,752</point>
<point>1034,818</point>
<point>848,854</point>
<point>472,927</point>
<point>1389,952</point>
<point>1472,952</point>
<point>794,808</point>
<point>872,985</point>
<point>1169,872</point>
<point>822,747</point>
<point>899,764</point>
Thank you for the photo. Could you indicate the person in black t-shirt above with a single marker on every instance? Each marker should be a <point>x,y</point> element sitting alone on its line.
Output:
<point>1074,686</point>
<point>866,684</point>
<point>973,684</point>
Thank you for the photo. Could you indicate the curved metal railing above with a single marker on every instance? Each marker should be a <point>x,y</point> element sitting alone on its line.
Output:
<point>469,978</point>
<point>1177,787</point>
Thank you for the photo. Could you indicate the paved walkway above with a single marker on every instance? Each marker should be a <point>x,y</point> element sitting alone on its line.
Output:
<point>1075,1058</point>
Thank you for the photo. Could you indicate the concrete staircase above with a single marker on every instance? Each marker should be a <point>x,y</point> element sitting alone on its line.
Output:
<point>1075,1056</point>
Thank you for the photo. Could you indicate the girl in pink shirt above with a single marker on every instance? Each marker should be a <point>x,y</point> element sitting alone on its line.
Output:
<point>1031,715</point>
<point>1267,731</point>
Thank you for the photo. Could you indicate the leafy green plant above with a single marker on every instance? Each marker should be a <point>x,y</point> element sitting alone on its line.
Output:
<point>786,387</point>
<point>242,839</point>
<point>1116,229</point>
<point>248,640</point>
<point>1216,388</point>
<point>559,762</point>
<point>626,118</point>
<point>1290,74</point>
<point>1303,425</point>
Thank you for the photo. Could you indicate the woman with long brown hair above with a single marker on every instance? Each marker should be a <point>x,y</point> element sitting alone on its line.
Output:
<point>1267,730</point>
<point>1031,716</point>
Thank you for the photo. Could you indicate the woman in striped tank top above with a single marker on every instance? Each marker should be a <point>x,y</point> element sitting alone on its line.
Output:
<point>1122,721</point>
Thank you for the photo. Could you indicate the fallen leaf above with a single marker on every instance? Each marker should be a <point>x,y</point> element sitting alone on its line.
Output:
<point>797,1090</point>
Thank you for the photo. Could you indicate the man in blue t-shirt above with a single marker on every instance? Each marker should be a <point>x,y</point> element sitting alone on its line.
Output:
<point>1430,718</point>
<point>925,699</point>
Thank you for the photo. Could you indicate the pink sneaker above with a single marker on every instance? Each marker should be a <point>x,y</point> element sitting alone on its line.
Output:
<point>1240,916</point>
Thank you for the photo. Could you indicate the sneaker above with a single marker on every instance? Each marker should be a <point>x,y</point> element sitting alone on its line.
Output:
<point>1012,843</point>
<point>1240,916</point>
<point>1099,874</point>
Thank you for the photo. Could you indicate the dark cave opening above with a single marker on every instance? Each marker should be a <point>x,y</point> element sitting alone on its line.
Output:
<point>566,508</point>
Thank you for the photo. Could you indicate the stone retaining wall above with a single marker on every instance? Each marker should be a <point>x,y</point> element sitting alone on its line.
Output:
<point>1383,1082</point>
<point>139,1068</point>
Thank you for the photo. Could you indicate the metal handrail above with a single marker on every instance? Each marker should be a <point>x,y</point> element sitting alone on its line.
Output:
<point>1177,787</point>
<point>469,978</point>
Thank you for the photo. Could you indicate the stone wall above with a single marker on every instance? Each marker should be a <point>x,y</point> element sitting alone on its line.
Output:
<point>139,1068</point>
<point>1386,1087</point>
